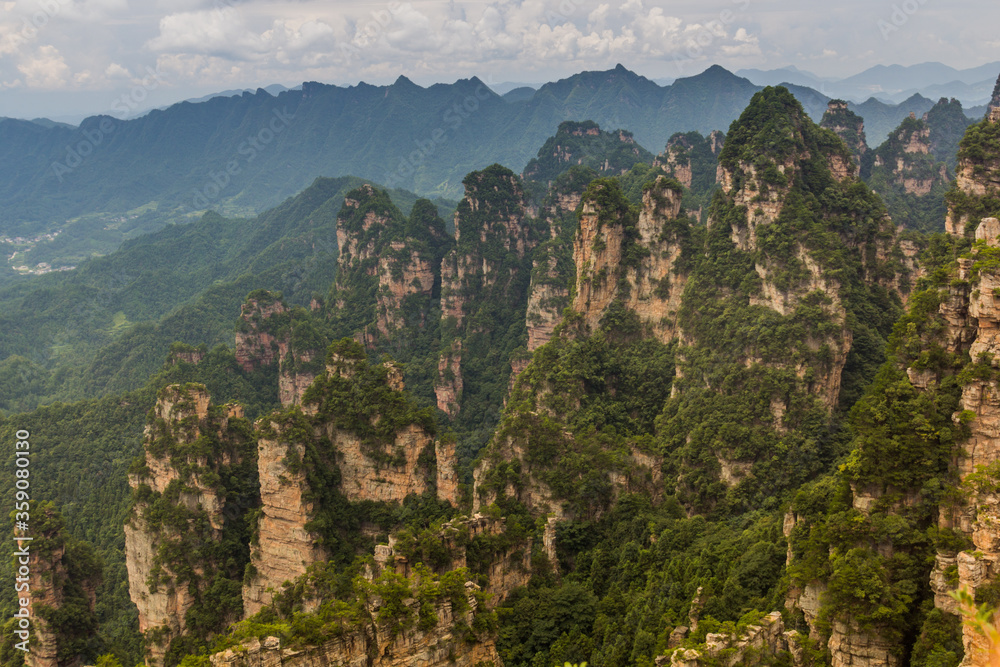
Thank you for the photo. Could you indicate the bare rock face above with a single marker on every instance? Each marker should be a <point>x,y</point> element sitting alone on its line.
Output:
<point>546,301</point>
<point>368,478</point>
<point>604,253</point>
<point>257,347</point>
<point>332,431</point>
<point>50,589</point>
<point>979,517</point>
<point>850,646</point>
<point>448,388</point>
<point>270,333</point>
<point>189,445</point>
<point>402,271</point>
<point>851,128</point>
<point>284,546</point>
<point>489,265</point>
<point>977,181</point>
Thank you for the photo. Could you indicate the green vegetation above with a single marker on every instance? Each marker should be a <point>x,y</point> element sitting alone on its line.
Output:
<point>913,183</point>
<point>694,150</point>
<point>583,144</point>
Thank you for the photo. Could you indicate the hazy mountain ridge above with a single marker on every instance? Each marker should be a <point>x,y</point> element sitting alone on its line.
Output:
<point>110,180</point>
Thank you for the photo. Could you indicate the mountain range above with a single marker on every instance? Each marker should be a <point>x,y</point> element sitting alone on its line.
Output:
<point>109,180</point>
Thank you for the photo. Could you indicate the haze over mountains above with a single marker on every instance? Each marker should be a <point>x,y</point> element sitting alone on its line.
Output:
<point>109,180</point>
<point>893,83</point>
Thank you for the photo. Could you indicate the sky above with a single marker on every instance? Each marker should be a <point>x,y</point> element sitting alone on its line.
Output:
<point>59,58</point>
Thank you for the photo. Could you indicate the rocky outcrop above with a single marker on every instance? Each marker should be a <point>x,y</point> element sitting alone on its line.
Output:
<point>977,183</point>
<point>994,105</point>
<point>758,644</point>
<point>190,449</point>
<point>901,157</point>
<point>448,388</point>
<point>490,265</point>
<point>376,644</point>
<point>547,299</point>
<point>51,588</point>
<point>256,344</point>
<point>848,126</point>
<point>335,438</point>
<point>584,144</point>
<point>976,462</point>
<point>270,333</point>
<point>636,262</point>
<point>284,547</point>
<point>387,268</point>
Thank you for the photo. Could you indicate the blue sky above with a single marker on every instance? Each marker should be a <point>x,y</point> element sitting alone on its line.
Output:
<point>75,56</point>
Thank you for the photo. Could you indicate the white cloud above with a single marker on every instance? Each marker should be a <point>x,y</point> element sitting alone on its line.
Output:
<point>47,69</point>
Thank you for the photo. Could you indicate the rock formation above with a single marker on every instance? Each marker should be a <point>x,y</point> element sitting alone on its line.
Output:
<point>585,144</point>
<point>976,464</point>
<point>758,644</point>
<point>906,159</point>
<point>976,192</point>
<point>850,127</point>
<point>386,256</point>
<point>256,344</point>
<point>182,507</point>
<point>635,261</point>
<point>991,109</point>
<point>62,573</point>
<point>376,451</point>
<point>490,265</point>
<point>270,333</point>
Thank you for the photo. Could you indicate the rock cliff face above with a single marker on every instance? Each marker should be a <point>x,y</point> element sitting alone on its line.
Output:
<point>490,265</point>
<point>270,333</point>
<point>906,158</point>
<point>553,270</point>
<point>284,547</point>
<point>848,126</point>
<point>182,507</point>
<point>57,580</point>
<point>636,261</point>
<point>976,463</point>
<point>256,344</point>
<point>976,192</point>
<point>766,192</point>
<point>388,271</point>
<point>584,144</point>
<point>377,451</point>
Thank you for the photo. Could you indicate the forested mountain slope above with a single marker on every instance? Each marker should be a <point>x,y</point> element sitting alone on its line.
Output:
<point>592,426</point>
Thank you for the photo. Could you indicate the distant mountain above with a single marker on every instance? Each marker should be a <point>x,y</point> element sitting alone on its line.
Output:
<point>930,79</point>
<point>777,77</point>
<point>109,180</point>
<point>522,94</point>
<point>881,118</point>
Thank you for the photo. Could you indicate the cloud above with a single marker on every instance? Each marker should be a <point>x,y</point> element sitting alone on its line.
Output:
<point>47,69</point>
